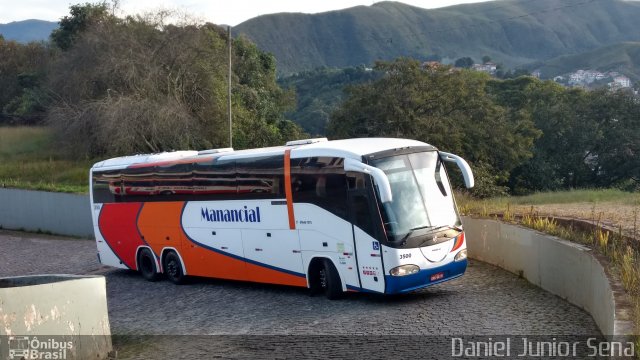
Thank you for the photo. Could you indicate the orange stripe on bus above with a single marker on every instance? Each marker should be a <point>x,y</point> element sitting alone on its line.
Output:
<point>159,224</point>
<point>287,189</point>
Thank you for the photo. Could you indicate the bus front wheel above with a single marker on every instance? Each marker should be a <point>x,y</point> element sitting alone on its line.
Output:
<point>173,268</point>
<point>147,265</point>
<point>330,281</point>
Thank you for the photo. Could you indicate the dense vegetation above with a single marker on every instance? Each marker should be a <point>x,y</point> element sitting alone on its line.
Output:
<point>112,86</point>
<point>515,32</point>
<point>520,135</point>
<point>22,71</point>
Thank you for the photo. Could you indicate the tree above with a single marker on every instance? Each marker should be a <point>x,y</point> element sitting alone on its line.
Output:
<point>464,62</point>
<point>320,91</point>
<point>140,85</point>
<point>259,119</point>
<point>486,59</point>
<point>82,17</point>
<point>614,158</point>
<point>22,69</point>
<point>446,108</point>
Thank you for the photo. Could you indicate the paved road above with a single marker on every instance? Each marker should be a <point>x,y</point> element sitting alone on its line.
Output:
<point>485,301</point>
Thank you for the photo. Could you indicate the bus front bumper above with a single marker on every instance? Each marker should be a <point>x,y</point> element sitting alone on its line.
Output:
<point>403,284</point>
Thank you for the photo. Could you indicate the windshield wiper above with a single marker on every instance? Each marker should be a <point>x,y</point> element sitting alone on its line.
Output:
<point>412,230</point>
<point>432,228</point>
<point>453,227</point>
<point>436,228</point>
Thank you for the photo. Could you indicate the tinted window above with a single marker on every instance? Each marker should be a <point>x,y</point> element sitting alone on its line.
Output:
<point>214,180</point>
<point>138,182</point>
<point>173,180</point>
<point>362,215</point>
<point>261,178</point>
<point>320,181</point>
<point>106,186</point>
<point>207,180</point>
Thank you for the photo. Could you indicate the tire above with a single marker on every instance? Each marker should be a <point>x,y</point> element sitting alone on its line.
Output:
<point>330,281</point>
<point>173,268</point>
<point>147,265</point>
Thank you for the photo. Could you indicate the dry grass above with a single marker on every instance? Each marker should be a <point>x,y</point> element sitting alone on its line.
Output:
<point>610,207</point>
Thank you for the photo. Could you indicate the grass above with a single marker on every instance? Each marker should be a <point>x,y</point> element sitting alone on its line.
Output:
<point>29,160</point>
<point>623,257</point>
<point>484,207</point>
<point>568,197</point>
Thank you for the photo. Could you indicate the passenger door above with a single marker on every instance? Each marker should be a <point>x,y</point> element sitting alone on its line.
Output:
<point>364,217</point>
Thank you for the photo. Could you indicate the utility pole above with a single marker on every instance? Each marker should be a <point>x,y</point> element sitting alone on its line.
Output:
<point>229,87</point>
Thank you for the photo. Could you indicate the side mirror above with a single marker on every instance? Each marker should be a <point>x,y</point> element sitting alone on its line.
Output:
<point>467,174</point>
<point>378,176</point>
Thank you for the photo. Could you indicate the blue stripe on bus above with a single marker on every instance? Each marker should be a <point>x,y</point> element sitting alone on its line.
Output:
<point>245,259</point>
<point>184,206</point>
<point>355,288</point>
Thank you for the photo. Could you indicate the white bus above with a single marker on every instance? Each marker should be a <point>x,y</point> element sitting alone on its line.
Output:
<point>366,215</point>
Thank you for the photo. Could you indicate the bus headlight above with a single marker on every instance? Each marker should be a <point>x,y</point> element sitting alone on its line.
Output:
<point>461,255</point>
<point>404,270</point>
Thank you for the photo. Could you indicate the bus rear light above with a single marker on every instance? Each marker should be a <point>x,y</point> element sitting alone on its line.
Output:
<point>404,270</point>
<point>459,242</point>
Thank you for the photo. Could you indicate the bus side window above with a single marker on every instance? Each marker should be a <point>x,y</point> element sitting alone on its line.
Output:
<point>138,184</point>
<point>320,181</point>
<point>260,178</point>
<point>214,180</point>
<point>362,214</point>
<point>107,186</point>
<point>173,181</point>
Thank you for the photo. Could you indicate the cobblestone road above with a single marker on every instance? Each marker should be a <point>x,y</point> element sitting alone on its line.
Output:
<point>485,301</point>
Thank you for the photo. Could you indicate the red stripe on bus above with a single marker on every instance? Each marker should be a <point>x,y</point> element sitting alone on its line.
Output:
<point>287,189</point>
<point>119,229</point>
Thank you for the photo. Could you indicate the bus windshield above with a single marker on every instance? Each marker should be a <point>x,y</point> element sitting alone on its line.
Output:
<point>422,197</point>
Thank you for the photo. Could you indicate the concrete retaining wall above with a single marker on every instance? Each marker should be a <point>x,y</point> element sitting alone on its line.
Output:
<point>57,213</point>
<point>563,268</point>
<point>68,310</point>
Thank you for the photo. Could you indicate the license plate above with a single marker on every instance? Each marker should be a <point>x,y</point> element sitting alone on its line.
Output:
<point>437,276</point>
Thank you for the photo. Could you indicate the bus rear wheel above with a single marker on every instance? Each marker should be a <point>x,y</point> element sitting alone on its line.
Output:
<point>173,268</point>
<point>329,281</point>
<point>147,265</point>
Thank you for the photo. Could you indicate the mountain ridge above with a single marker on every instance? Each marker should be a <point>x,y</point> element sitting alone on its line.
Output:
<point>27,30</point>
<point>513,32</point>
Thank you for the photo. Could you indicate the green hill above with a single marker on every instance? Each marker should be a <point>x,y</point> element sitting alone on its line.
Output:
<point>513,32</point>
<point>623,58</point>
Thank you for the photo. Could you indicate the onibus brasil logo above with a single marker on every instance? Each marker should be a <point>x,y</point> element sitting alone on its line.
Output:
<point>25,347</point>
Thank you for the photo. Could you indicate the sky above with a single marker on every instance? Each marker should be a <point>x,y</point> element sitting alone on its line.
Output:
<point>228,12</point>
